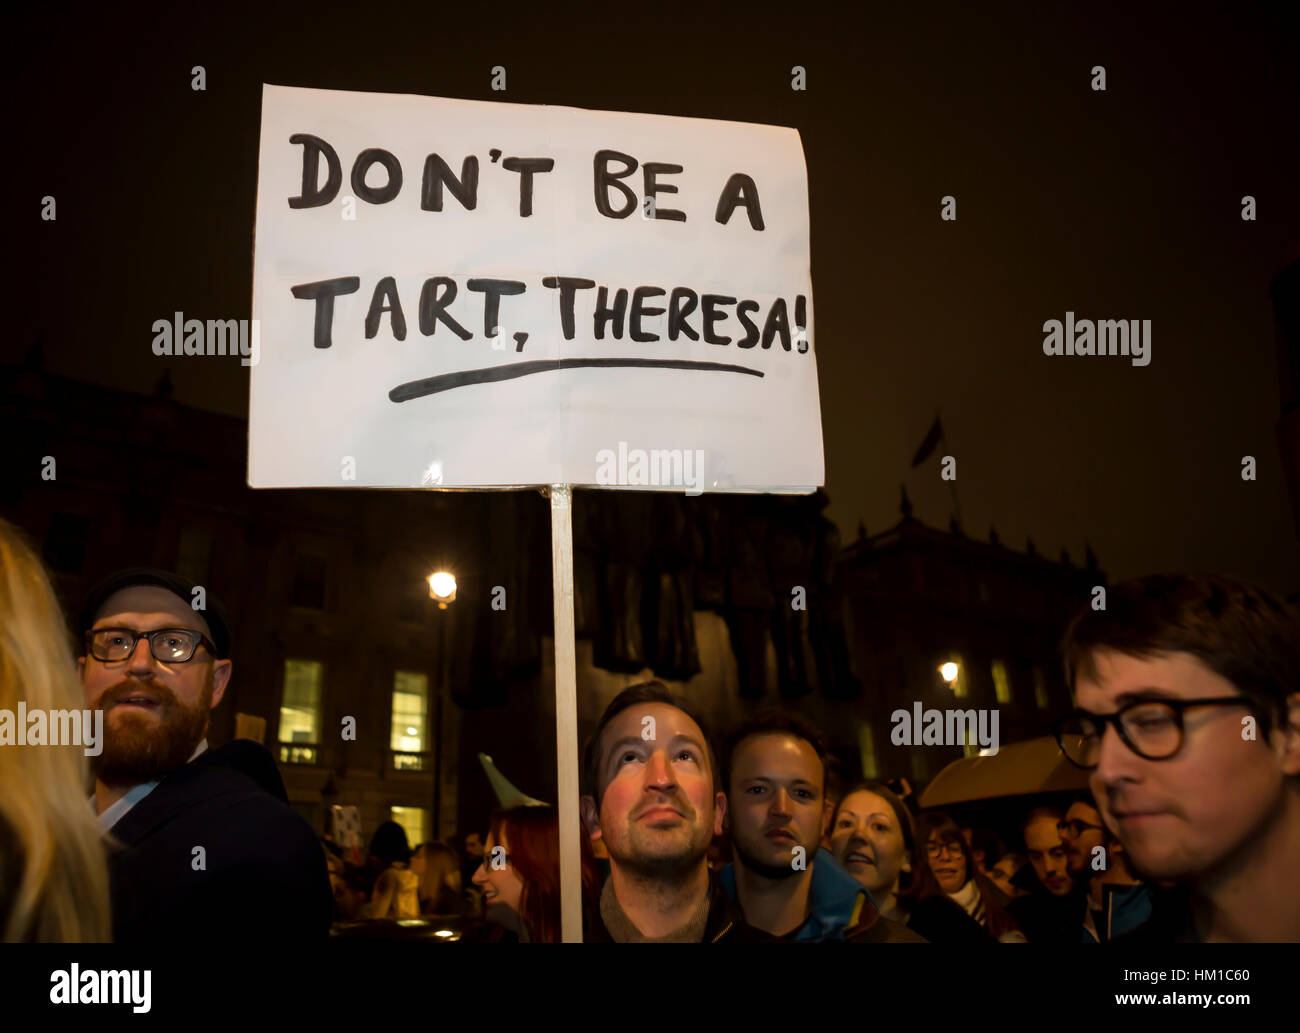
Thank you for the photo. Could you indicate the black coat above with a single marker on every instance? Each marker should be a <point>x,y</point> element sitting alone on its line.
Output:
<point>1045,918</point>
<point>265,875</point>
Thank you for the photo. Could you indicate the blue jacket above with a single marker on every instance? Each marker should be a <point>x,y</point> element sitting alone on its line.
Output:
<point>835,900</point>
<point>1124,909</point>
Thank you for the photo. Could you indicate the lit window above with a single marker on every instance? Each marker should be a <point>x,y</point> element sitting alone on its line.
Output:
<point>410,713</point>
<point>867,747</point>
<point>300,711</point>
<point>1001,683</point>
<point>415,820</point>
<point>1040,689</point>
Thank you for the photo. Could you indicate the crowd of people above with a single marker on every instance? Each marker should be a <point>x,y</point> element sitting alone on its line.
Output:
<point>1187,716</point>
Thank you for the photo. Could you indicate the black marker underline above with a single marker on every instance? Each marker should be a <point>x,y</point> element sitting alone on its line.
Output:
<point>493,374</point>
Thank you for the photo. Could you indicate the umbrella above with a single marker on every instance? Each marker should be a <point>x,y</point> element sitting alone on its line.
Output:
<point>1023,768</point>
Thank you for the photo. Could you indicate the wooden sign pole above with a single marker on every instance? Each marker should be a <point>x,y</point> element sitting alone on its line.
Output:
<point>566,714</point>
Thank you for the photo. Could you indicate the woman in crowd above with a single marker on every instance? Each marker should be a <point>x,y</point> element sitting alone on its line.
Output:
<point>396,892</point>
<point>438,869</point>
<point>53,875</point>
<point>947,871</point>
<point>520,876</point>
<point>871,835</point>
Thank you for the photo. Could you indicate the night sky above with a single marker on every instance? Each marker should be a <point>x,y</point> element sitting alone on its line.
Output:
<point>1123,204</point>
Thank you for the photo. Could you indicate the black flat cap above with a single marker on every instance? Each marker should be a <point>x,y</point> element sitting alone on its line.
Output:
<point>182,588</point>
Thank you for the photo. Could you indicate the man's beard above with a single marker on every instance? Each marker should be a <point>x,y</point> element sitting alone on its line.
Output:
<point>768,871</point>
<point>634,851</point>
<point>134,752</point>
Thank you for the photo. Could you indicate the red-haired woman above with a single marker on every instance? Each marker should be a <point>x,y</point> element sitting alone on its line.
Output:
<point>520,875</point>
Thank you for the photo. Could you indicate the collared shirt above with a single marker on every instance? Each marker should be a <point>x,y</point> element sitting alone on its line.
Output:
<point>117,811</point>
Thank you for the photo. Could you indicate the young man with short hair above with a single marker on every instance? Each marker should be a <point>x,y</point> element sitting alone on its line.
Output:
<point>1118,901</point>
<point>1189,720</point>
<point>789,887</point>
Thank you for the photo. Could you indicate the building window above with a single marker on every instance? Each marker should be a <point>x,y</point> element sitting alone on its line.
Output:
<point>300,711</point>
<point>415,820</point>
<point>1001,682</point>
<point>65,543</point>
<point>1040,689</point>
<point>194,554</point>
<point>867,748</point>
<point>971,746</point>
<point>410,720</point>
<point>309,582</point>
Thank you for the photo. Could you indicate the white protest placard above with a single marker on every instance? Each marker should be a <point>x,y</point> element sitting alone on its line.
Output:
<point>463,293</point>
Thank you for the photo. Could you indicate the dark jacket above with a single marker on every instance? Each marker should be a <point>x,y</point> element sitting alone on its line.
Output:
<point>1123,909</point>
<point>722,924</point>
<point>1045,918</point>
<point>940,920</point>
<point>1170,920</point>
<point>265,874</point>
<point>839,910</point>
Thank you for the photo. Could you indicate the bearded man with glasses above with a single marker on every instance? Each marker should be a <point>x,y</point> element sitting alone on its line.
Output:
<point>202,843</point>
<point>1188,718</point>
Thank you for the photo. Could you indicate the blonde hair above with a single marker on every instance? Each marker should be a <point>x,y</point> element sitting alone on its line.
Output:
<point>61,892</point>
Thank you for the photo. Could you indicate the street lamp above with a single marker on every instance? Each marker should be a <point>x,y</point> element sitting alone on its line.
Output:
<point>442,589</point>
<point>949,672</point>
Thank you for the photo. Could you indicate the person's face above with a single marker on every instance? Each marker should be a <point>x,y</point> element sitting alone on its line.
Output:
<point>1047,854</point>
<point>496,876</point>
<point>474,845</point>
<point>155,713</point>
<point>776,803</point>
<point>1192,813</point>
<point>1001,875</point>
<point>949,866</point>
<point>1079,849</point>
<point>659,810</point>
<point>867,840</point>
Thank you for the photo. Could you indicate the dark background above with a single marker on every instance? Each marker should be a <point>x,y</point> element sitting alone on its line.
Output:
<point>1122,204</point>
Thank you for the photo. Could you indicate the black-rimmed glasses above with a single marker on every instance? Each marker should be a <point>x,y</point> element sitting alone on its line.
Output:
<point>950,846</point>
<point>1075,828</point>
<point>169,645</point>
<point>1151,728</point>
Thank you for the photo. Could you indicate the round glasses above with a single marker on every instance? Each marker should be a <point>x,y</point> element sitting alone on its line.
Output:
<point>169,645</point>
<point>1151,728</point>
<point>951,846</point>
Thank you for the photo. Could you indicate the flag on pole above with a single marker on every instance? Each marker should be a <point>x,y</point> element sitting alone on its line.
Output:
<point>932,439</point>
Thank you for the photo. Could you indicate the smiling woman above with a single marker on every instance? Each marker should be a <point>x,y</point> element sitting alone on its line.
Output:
<point>950,888</point>
<point>520,874</point>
